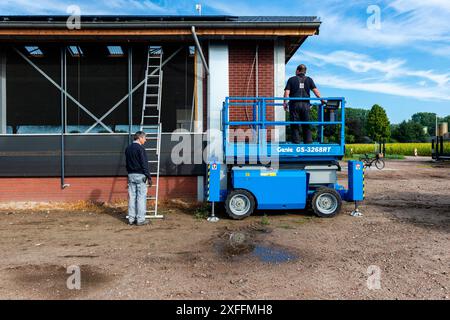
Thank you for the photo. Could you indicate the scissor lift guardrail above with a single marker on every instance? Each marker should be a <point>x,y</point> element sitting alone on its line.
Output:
<point>287,152</point>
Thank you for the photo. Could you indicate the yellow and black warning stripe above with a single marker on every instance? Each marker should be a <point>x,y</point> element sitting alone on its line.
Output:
<point>209,173</point>
<point>364,182</point>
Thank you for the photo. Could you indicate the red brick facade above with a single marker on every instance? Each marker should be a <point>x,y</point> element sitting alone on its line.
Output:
<point>242,76</point>
<point>107,189</point>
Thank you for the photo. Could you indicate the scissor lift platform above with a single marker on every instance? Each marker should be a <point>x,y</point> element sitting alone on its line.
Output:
<point>259,172</point>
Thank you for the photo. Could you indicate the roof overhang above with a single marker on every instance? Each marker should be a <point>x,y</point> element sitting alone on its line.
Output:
<point>168,28</point>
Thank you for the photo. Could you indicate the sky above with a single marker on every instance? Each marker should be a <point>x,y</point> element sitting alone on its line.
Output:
<point>394,53</point>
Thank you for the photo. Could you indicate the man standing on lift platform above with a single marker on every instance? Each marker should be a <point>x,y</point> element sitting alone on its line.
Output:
<point>300,86</point>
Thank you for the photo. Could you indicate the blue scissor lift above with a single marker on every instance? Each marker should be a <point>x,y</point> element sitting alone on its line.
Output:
<point>258,171</point>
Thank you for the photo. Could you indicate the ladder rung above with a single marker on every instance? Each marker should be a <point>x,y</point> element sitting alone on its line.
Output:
<point>153,76</point>
<point>151,198</point>
<point>153,161</point>
<point>156,216</point>
<point>151,116</point>
<point>151,105</point>
<point>154,66</point>
<point>153,85</point>
<point>152,94</point>
<point>152,149</point>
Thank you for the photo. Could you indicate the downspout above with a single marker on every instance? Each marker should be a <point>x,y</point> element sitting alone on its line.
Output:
<point>257,71</point>
<point>199,48</point>
<point>63,116</point>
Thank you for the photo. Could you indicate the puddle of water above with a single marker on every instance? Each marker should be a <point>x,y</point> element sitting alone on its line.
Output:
<point>241,245</point>
<point>273,254</point>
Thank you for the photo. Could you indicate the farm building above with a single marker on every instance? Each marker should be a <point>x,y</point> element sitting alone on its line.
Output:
<point>71,98</point>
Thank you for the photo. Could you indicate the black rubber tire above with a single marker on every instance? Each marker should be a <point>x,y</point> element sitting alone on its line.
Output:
<point>380,164</point>
<point>246,213</point>
<point>318,211</point>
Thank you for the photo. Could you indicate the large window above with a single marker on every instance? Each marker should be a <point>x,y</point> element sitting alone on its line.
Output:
<point>97,77</point>
<point>33,103</point>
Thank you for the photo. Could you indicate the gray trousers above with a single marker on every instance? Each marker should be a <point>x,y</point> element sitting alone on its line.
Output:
<point>137,197</point>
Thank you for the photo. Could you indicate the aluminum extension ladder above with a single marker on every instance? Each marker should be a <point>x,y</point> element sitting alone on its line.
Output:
<point>151,124</point>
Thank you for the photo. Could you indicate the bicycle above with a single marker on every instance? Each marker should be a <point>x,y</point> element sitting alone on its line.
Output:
<point>368,162</point>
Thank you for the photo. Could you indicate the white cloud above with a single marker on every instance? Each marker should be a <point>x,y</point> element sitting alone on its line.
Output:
<point>240,8</point>
<point>403,23</point>
<point>110,7</point>
<point>388,69</point>
<point>390,76</point>
<point>390,88</point>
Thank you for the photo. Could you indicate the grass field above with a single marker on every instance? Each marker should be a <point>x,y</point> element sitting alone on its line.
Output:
<point>403,149</point>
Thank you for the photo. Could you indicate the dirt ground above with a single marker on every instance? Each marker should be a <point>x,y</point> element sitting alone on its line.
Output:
<point>404,231</point>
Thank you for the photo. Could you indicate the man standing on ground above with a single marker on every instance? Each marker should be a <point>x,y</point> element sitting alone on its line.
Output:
<point>138,176</point>
<point>300,87</point>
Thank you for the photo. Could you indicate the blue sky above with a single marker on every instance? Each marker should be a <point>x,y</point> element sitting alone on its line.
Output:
<point>402,64</point>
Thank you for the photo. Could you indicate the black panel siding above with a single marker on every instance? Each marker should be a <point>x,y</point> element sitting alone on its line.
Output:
<point>85,156</point>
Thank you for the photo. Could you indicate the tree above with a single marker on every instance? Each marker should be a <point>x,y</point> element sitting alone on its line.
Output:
<point>426,119</point>
<point>378,125</point>
<point>356,120</point>
<point>409,131</point>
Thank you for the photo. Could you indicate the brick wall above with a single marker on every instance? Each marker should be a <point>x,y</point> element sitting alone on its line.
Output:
<point>105,189</point>
<point>242,78</point>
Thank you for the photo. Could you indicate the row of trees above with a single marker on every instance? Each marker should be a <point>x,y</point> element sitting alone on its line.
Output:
<point>365,126</point>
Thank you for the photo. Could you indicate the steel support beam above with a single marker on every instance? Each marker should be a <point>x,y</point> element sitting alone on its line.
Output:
<point>3,128</point>
<point>63,91</point>
<point>131,92</point>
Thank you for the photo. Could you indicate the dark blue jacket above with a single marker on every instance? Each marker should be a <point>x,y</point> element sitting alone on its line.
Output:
<point>137,161</point>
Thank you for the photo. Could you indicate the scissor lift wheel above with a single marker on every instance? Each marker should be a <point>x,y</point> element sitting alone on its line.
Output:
<point>326,203</point>
<point>240,204</point>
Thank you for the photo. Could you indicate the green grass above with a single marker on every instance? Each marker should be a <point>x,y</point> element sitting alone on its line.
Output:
<point>202,212</point>
<point>265,220</point>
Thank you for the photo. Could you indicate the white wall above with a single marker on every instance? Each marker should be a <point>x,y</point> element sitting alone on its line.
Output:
<point>279,85</point>
<point>218,90</point>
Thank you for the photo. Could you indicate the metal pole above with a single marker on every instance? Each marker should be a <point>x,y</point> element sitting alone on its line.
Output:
<point>257,71</point>
<point>63,96</point>
<point>199,48</point>
<point>130,95</point>
<point>213,217</point>
<point>3,121</point>
<point>436,128</point>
